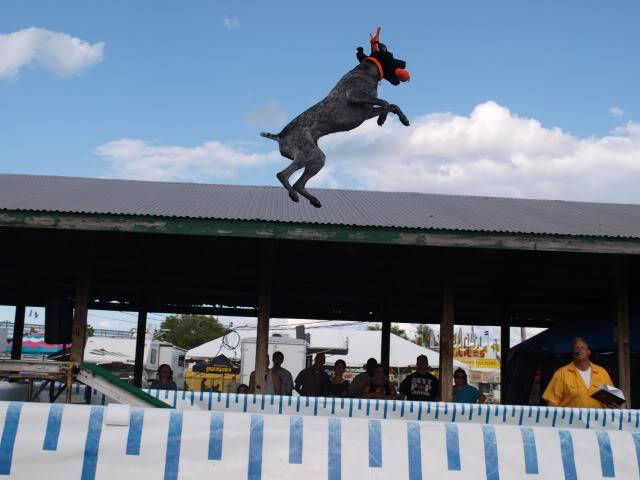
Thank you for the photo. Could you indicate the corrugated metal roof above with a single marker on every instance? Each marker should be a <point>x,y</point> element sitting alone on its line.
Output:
<point>340,207</point>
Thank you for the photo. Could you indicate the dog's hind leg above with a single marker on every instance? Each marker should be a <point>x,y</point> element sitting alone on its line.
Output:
<point>314,161</point>
<point>284,175</point>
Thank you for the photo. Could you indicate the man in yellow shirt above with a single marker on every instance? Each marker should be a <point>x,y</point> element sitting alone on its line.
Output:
<point>573,384</point>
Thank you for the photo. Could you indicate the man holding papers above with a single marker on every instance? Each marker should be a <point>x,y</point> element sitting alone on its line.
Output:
<point>575,383</point>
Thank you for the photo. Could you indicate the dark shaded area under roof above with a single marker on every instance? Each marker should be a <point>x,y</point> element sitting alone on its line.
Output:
<point>551,349</point>
<point>340,207</point>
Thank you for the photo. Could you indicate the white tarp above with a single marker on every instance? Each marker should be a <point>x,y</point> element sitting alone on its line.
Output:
<point>361,344</point>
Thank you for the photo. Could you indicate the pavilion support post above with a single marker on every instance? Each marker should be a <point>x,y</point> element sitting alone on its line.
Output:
<point>622,330</point>
<point>446,343</point>
<point>79,326</point>
<point>505,344</point>
<point>141,334</point>
<point>264,312</point>
<point>385,346</point>
<point>18,333</point>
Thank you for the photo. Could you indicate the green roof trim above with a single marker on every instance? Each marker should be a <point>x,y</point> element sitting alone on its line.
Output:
<point>316,232</point>
<point>132,389</point>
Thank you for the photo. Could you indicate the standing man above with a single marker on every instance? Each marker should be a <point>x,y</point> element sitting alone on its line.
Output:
<point>271,381</point>
<point>286,380</point>
<point>421,385</point>
<point>573,384</point>
<point>312,381</point>
<point>363,378</point>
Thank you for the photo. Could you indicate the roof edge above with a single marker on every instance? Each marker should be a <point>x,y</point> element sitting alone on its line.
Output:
<point>320,189</point>
<point>317,232</point>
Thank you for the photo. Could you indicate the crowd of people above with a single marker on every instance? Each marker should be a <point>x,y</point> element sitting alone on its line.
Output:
<point>571,386</point>
<point>374,382</point>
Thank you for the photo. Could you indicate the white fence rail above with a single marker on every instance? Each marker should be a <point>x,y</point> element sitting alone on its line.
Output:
<point>405,410</point>
<point>89,442</point>
<point>594,419</point>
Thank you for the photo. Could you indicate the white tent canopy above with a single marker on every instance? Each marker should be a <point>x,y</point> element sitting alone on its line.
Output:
<point>361,344</point>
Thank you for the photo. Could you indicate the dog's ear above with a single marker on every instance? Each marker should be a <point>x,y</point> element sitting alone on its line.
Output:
<point>375,40</point>
<point>360,55</point>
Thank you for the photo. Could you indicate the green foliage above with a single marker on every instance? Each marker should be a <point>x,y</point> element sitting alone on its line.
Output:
<point>425,336</point>
<point>189,331</point>
<point>395,329</point>
<point>89,331</point>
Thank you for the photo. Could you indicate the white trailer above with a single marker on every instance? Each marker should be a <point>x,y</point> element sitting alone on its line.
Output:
<point>112,351</point>
<point>293,349</point>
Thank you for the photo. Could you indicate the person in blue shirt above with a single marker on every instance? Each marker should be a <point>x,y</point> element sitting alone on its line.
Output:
<point>462,391</point>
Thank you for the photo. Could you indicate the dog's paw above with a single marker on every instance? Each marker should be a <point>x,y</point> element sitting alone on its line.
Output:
<point>315,202</point>
<point>294,196</point>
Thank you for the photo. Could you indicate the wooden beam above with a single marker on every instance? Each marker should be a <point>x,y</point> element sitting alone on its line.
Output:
<point>385,344</point>
<point>79,327</point>
<point>264,311</point>
<point>318,232</point>
<point>446,342</point>
<point>505,345</point>
<point>18,333</point>
<point>140,338</point>
<point>622,330</point>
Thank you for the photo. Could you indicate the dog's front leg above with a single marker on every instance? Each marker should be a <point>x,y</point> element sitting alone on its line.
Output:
<point>382,117</point>
<point>355,96</point>
<point>401,116</point>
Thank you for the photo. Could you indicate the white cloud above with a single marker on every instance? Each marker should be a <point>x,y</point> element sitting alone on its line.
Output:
<point>58,52</point>
<point>137,159</point>
<point>490,152</point>
<point>616,112</point>
<point>231,23</point>
<point>267,115</point>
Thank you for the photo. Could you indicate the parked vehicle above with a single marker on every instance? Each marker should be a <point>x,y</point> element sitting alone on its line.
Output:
<point>119,354</point>
<point>293,349</point>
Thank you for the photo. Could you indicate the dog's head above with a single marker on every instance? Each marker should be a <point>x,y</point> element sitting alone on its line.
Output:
<point>393,69</point>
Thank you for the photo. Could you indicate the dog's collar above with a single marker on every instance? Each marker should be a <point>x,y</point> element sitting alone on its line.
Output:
<point>378,65</point>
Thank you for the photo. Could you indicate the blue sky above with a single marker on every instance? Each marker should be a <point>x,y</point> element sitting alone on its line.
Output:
<point>173,74</point>
<point>508,98</point>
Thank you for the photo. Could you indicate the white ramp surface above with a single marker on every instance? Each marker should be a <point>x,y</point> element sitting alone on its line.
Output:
<point>82,442</point>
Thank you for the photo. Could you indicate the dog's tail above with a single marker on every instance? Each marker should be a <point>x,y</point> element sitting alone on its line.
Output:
<point>271,136</point>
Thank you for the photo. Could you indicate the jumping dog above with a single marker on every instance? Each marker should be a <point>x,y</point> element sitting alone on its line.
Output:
<point>352,101</point>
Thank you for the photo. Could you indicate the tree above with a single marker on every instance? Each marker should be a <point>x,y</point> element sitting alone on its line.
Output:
<point>425,336</point>
<point>189,331</point>
<point>395,329</point>
<point>90,331</point>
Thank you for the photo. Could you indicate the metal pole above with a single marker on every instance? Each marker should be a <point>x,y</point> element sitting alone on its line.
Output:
<point>505,341</point>
<point>446,343</point>
<point>140,339</point>
<point>385,347</point>
<point>18,333</point>
<point>623,333</point>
